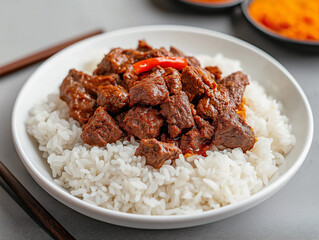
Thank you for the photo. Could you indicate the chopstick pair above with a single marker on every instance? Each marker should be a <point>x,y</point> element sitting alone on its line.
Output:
<point>42,55</point>
<point>31,206</point>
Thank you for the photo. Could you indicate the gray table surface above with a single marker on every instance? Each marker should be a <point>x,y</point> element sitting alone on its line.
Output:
<point>26,26</point>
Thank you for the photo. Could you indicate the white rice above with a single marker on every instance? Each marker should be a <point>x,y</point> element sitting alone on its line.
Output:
<point>112,177</point>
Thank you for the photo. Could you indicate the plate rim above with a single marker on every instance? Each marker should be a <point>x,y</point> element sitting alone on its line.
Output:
<point>70,200</point>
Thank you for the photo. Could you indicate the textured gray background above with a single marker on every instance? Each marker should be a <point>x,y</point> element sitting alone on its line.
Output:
<point>26,26</point>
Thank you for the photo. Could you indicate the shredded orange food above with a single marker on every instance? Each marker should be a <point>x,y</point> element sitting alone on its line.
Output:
<point>296,19</point>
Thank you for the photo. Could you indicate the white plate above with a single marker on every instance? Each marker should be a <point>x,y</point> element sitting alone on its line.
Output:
<point>277,81</point>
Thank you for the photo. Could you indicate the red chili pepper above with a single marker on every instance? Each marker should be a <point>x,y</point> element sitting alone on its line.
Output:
<point>145,65</point>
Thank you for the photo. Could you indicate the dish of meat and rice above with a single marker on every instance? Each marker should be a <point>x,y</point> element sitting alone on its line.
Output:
<point>154,131</point>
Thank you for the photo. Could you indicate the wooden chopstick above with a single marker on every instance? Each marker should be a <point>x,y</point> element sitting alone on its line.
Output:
<point>42,55</point>
<point>25,198</point>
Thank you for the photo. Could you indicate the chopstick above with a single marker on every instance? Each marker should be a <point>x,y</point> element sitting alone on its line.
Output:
<point>42,55</point>
<point>32,206</point>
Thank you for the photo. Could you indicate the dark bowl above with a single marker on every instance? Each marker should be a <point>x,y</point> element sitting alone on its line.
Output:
<point>300,44</point>
<point>213,6</point>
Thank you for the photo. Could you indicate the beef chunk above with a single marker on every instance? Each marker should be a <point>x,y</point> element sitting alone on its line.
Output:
<point>165,138</point>
<point>92,83</point>
<point>101,129</point>
<point>113,98</point>
<point>193,141</point>
<point>156,152</point>
<point>80,102</point>
<point>150,91</point>
<point>130,77</point>
<point>196,82</point>
<point>206,109</point>
<point>135,55</point>
<point>143,46</point>
<point>173,80</point>
<point>232,131</point>
<point>191,61</point>
<point>160,52</point>
<point>206,130</point>
<point>216,101</point>
<point>143,122</point>
<point>197,138</point>
<point>113,62</point>
<point>215,72</point>
<point>177,111</point>
<point>235,84</point>
<point>176,52</point>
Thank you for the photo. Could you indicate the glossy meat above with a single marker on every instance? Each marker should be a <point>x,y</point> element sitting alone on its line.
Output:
<point>93,82</point>
<point>216,101</point>
<point>173,80</point>
<point>177,111</point>
<point>80,102</point>
<point>150,91</point>
<point>196,82</point>
<point>197,138</point>
<point>143,122</point>
<point>231,131</point>
<point>215,73</point>
<point>185,109</point>
<point>156,152</point>
<point>235,84</point>
<point>101,129</point>
<point>192,61</point>
<point>112,98</point>
<point>113,62</point>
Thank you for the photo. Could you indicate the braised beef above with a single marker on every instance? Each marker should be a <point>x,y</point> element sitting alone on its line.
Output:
<point>176,52</point>
<point>189,110</point>
<point>235,84</point>
<point>232,131</point>
<point>215,72</point>
<point>101,129</point>
<point>192,141</point>
<point>205,128</point>
<point>135,55</point>
<point>197,138</point>
<point>173,80</point>
<point>92,83</point>
<point>143,122</point>
<point>143,46</point>
<point>167,139</point>
<point>216,101</point>
<point>196,81</point>
<point>156,152</point>
<point>150,91</point>
<point>80,102</point>
<point>160,52</point>
<point>130,77</point>
<point>206,109</point>
<point>177,111</point>
<point>112,98</point>
<point>192,61</point>
<point>113,62</point>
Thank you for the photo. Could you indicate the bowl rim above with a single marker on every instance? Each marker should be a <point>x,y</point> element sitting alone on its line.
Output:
<point>75,203</point>
<point>245,5</point>
<point>213,5</point>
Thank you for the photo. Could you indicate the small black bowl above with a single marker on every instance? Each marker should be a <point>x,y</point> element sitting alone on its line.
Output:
<point>218,7</point>
<point>300,44</point>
